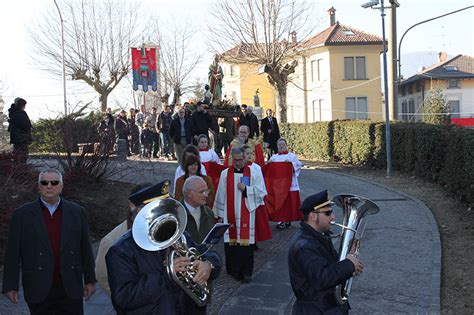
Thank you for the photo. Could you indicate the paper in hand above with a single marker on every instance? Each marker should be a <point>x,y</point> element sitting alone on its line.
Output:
<point>216,233</point>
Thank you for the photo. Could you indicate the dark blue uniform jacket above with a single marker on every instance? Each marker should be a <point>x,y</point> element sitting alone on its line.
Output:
<point>139,283</point>
<point>315,272</point>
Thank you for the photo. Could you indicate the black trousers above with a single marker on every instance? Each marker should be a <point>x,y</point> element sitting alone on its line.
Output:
<point>57,302</point>
<point>239,260</point>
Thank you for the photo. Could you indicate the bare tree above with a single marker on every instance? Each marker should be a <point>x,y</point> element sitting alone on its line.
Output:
<point>97,40</point>
<point>180,53</point>
<point>262,32</point>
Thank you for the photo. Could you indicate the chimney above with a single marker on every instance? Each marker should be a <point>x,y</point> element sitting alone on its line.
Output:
<point>332,16</point>
<point>293,37</point>
<point>442,57</point>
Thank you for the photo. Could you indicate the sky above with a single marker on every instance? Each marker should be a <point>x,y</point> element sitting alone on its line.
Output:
<point>19,75</point>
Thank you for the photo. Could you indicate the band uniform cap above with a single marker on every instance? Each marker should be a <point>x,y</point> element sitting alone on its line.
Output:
<point>316,201</point>
<point>149,194</point>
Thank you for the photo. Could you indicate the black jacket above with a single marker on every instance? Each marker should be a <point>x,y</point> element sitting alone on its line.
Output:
<point>201,123</point>
<point>139,282</point>
<point>19,126</point>
<point>29,246</point>
<point>251,121</point>
<point>270,138</point>
<point>315,272</point>
<point>175,130</point>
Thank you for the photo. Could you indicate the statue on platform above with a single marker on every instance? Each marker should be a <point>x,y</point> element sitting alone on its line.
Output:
<point>215,76</point>
<point>256,99</point>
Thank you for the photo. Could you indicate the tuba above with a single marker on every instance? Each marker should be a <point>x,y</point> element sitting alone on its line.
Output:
<point>355,208</point>
<point>160,225</point>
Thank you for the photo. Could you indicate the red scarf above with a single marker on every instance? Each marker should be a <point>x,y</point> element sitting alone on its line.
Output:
<point>203,150</point>
<point>283,152</point>
<point>244,212</point>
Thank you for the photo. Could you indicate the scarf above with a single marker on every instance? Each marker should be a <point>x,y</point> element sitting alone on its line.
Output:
<point>283,152</point>
<point>244,212</point>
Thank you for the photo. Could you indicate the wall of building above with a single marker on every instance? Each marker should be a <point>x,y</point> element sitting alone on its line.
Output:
<point>295,99</point>
<point>370,88</point>
<point>318,85</point>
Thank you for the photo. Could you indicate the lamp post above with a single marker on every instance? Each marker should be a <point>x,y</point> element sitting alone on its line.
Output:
<point>388,149</point>
<point>411,27</point>
<point>62,59</point>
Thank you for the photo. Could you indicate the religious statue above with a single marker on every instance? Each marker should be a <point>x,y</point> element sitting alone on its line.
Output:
<point>256,99</point>
<point>215,76</point>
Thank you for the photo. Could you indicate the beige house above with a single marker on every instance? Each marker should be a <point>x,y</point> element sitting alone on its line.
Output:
<point>337,77</point>
<point>454,76</point>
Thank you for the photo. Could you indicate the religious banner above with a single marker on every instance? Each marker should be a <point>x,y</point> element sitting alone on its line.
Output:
<point>144,68</point>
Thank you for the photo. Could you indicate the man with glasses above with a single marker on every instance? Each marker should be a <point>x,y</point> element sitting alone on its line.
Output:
<point>49,239</point>
<point>200,217</point>
<point>239,194</point>
<point>313,262</point>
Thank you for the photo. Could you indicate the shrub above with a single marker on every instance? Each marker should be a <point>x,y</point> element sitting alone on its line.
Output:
<point>439,153</point>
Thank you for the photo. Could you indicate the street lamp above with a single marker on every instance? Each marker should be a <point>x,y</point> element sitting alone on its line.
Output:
<point>411,27</point>
<point>388,149</point>
<point>62,49</point>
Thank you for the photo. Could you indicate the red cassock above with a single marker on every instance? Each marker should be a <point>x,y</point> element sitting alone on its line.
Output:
<point>282,205</point>
<point>214,171</point>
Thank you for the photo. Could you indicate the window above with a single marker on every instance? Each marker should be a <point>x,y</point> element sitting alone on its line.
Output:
<point>232,71</point>
<point>314,113</point>
<point>404,111</point>
<point>453,84</point>
<point>408,109</point>
<point>356,108</point>
<point>316,70</point>
<point>354,68</point>
<point>454,109</point>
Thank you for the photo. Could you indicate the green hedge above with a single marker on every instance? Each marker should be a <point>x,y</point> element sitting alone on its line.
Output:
<point>53,135</point>
<point>443,154</point>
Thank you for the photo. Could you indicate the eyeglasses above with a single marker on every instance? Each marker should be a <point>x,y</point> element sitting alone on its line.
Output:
<point>327,213</point>
<point>52,182</point>
<point>202,192</point>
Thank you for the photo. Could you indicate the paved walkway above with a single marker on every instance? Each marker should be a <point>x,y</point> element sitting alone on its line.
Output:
<point>401,251</point>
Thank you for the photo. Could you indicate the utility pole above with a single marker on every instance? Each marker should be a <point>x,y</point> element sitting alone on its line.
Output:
<point>62,58</point>
<point>392,59</point>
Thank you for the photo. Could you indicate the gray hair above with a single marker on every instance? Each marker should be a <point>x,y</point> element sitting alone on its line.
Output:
<point>48,171</point>
<point>248,128</point>
<point>190,183</point>
<point>237,150</point>
<point>250,108</point>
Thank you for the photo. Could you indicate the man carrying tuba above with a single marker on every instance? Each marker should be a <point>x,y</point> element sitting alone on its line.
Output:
<point>137,264</point>
<point>314,266</point>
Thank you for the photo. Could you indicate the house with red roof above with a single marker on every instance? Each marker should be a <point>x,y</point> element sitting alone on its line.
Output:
<point>454,76</point>
<point>337,77</point>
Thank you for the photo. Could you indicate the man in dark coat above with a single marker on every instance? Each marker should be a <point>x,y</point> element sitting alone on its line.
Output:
<point>201,121</point>
<point>49,239</point>
<point>180,132</point>
<point>271,132</point>
<point>248,118</point>
<point>137,268</point>
<point>20,129</point>
<point>200,216</point>
<point>313,262</point>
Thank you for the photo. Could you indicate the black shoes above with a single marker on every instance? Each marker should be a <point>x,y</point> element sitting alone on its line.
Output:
<point>283,225</point>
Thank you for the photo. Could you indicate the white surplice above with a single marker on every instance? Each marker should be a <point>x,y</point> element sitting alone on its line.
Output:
<point>290,157</point>
<point>255,194</point>
<point>209,156</point>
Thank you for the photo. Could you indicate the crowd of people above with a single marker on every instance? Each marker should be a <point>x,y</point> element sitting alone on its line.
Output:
<point>233,179</point>
<point>164,135</point>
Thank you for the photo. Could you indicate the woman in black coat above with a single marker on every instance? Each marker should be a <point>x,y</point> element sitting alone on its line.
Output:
<point>20,129</point>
